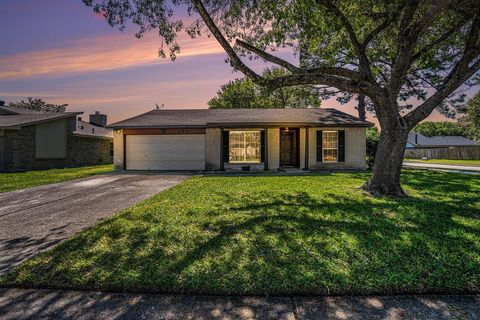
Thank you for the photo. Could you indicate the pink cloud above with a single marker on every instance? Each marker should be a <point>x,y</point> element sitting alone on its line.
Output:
<point>99,54</point>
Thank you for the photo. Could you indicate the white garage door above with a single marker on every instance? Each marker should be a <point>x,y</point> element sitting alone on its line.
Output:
<point>165,152</point>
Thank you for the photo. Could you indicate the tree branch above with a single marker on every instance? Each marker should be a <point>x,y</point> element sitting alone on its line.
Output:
<point>336,71</point>
<point>344,84</point>
<point>235,60</point>
<point>408,38</point>
<point>422,111</point>
<point>460,73</point>
<point>268,57</point>
<point>387,22</point>
<point>437,41</point>
<point>364,62</point>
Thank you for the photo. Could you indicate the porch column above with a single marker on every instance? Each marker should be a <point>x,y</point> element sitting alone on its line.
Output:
<point>307,134</point>
<point>265,150</point>
<point>222,163</point>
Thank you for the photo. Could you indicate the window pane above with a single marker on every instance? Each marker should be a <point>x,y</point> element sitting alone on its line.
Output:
<point>330,146</point>
<point>244,146</point>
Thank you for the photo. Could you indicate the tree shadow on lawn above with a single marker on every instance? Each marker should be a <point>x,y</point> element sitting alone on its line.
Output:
<point>292,242</point>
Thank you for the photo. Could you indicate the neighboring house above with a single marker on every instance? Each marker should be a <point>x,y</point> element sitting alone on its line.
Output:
<point>31,140</point>
<point>232,139</point>
<point>441,147</point>
<point>417,140</point>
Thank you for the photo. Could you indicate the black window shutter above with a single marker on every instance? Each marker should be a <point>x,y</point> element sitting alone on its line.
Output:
<point>226,144</point>
<point>341,146</point>
<point>319,146</point>
<point>262,146</point>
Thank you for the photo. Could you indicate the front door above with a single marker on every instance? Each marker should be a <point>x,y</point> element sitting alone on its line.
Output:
<point>288,147</point>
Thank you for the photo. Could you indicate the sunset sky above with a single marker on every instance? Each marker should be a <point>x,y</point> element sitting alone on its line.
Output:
<point>59,50</point>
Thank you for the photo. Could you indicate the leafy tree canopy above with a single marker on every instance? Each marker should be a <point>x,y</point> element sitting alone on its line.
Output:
<point>442,128</point>
<point>472,118</point>
<point>39,105</point>
<point>244,93</point>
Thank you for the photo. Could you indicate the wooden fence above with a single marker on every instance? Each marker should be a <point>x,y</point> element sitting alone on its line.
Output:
<point>457,153</point>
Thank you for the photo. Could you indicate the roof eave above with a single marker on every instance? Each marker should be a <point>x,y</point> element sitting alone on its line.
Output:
<point>289,124</point>
<point>153,126</point>
<point>63,116</point>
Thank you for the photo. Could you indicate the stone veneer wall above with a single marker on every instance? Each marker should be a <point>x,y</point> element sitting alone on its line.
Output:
<point>19,150</point>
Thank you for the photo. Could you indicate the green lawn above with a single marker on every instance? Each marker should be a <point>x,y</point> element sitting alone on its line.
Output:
<point>21,180</point>
<point>316,234</point>
<point>446,161</point>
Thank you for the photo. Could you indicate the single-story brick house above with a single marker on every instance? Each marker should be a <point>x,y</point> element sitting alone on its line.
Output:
<point>32,140</point>
<point>231,139</point>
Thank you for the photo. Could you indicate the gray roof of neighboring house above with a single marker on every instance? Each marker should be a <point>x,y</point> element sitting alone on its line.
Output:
<point>20,120</point>
<point>15,118</point>
<point>231,117</point>
<point>14,110</point>
<point>87,129</point>
<point>438,141</point>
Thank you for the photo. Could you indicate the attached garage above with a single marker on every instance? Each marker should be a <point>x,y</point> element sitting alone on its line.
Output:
<point>165,152</point>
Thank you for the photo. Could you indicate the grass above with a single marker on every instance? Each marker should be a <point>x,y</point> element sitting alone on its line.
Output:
<point>447,161</point>
<point>21,180</point>
<point>315,234</point>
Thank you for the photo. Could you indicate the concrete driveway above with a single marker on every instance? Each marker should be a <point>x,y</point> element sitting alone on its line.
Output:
<point>36,219</point>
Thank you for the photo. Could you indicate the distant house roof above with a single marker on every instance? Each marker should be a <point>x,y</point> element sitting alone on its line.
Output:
<point>236,117</point>
<point>418,140</point>
<point>15,118</point>
<point>14,110</point>
<point>90,130</point>
<point>12,117</point>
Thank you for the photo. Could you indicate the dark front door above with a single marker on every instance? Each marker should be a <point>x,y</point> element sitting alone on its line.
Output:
<point>288,148</point>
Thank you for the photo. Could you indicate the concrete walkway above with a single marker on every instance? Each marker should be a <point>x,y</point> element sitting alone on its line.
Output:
<point>437,166</point>
<point>36,219</point>
<point>47,304</point>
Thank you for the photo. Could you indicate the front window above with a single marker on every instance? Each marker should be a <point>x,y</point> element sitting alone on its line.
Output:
<point>244,146</point>
<point>330,146</point>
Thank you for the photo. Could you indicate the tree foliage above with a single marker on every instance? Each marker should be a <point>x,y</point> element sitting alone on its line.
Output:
<point>36,104</point>
<point>442,128</point>
<point>373,138</point>
<point>244,93</point>
<point>471,120</point>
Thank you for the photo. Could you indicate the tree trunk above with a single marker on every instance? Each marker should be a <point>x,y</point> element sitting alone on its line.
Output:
<point>388,162</point>
<point>361,107</point>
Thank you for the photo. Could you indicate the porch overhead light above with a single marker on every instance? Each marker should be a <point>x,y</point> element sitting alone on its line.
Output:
<point>286,129</point>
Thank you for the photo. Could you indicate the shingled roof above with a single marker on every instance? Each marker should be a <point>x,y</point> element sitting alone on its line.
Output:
<point>240,117</point>
<point>419,140</point>
<point>12,117</point>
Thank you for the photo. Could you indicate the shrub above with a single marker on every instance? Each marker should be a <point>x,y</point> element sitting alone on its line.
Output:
<point>373,138</point>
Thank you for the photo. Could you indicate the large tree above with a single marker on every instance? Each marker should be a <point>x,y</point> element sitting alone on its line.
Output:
<point>244,93</point>
<point>409,57</point>
<point>39,105</point>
